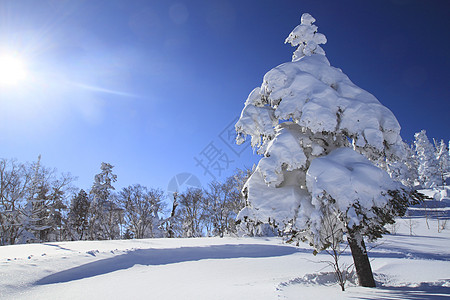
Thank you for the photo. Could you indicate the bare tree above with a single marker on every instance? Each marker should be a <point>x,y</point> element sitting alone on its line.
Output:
<point>141,210</point>
<point>191,212</point>
<point>14,181</point>
<point>170,223</point>
<point>222,202</point>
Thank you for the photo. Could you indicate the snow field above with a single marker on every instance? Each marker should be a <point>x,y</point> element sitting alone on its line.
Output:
<point>413,267</point>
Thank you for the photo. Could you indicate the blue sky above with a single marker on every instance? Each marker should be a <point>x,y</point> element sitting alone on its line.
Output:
<point>149,86</point>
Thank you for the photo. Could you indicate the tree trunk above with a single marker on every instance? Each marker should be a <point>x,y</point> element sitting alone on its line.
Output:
<point>360,259</point>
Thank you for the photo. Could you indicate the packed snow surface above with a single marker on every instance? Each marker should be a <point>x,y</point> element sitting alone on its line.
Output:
<point>405,267</point>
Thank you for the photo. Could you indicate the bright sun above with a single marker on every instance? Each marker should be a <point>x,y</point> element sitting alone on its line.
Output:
<point>12,69</point>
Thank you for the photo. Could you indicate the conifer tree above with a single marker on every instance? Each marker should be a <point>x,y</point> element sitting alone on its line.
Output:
<point>428,169</point>
<point>321,137</point>
<point>78,222</point>
<point>105,215</point>
<point>443,158</point>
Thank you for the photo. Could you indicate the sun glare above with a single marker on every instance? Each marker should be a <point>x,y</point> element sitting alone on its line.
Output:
<point>12,69</point>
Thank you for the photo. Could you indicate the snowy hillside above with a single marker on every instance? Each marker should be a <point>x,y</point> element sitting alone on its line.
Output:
<point>405,266</point>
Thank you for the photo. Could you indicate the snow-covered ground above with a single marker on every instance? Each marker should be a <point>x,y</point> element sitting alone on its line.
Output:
<point>405,267</point>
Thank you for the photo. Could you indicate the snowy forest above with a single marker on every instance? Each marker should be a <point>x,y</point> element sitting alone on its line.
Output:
<point>37,204</point>
<point>40,205</point>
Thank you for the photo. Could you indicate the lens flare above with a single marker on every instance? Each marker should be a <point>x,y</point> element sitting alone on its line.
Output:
<point>12,70</point>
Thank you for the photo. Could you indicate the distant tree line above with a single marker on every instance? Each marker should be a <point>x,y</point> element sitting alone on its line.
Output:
<point>39,205</point>
<point>427,165</point>
<point>431,160</point>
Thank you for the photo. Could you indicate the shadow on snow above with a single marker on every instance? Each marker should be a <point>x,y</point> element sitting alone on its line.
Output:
<point>425,291</point>
<point>398,252</point>
<point>149,257</point>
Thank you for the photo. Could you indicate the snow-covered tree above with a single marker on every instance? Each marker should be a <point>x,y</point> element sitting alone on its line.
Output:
<point>443,158</point>
<point>14,183</point>
<point>35,209</point>
<point>428,164</point>
<point>103,182</point>
<point>105,214</point>
<point>321,137</point>
<point>404,169</point>
<point>32,202</point>
<point>42,214</point>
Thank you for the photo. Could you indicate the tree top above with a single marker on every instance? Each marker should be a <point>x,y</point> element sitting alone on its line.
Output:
<point>306,37</point>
